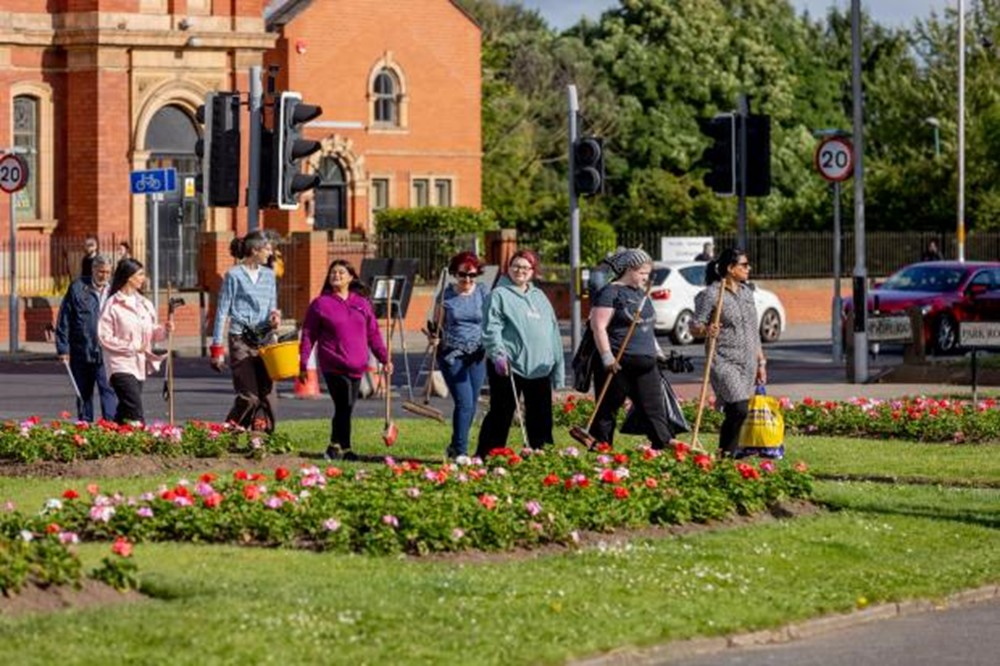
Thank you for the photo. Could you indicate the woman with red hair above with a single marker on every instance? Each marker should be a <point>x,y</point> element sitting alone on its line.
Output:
<point>459,343</point>
<point>521,338</point>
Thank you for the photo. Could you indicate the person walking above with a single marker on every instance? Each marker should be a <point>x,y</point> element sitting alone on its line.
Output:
<point>931,253</point>
<point>341,325</point>
<point>248,302</point>
<point>637,376</point>
<point>739,360</point>
<point>707,252</point>
<point>459,345</point>
<point>76,340</point>
<point>521,339</point>
<point>127,329</point>
<point>90,249</point>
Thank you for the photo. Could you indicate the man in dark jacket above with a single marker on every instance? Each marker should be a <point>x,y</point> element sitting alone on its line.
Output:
<point>76,339</point>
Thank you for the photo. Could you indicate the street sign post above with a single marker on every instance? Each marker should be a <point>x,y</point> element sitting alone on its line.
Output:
<point>834,159</point>
<point>13,177</point>
<point>154,182</point>
<point>978,335</point>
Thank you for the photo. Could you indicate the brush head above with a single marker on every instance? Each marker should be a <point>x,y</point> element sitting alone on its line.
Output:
<point>390,434</point>
<point>582,436</point>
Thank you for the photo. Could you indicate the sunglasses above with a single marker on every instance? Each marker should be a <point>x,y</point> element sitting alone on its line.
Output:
<point>463,274</point>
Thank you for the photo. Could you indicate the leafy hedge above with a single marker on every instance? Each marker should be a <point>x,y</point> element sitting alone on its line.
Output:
<point>45,558</point>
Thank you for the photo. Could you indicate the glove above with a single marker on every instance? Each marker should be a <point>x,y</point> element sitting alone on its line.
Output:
<point>218,356</point>
<point>609,362</point>
<point>501,365</point>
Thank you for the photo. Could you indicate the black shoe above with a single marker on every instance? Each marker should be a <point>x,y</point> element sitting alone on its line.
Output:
<point>333,452</point>
<point>349,455</point>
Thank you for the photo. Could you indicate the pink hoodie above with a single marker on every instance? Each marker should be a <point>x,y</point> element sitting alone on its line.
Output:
<point>127,332</point>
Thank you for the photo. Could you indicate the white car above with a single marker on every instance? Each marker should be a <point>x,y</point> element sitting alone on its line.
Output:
<point>675,286</point>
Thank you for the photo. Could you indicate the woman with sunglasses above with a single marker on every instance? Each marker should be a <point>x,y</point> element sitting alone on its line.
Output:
<point>739,360</point>
<point>522,340</point>
<point>459,343</point>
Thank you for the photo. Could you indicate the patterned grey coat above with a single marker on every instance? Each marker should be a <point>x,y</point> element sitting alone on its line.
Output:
<point>735,366</point>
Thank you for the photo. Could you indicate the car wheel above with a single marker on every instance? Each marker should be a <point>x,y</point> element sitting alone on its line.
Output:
<point>770,326</point>
<point>682,328</point>
<point>945,335</point>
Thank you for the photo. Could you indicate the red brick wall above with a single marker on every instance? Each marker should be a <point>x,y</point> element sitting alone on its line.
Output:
<point>437,48</point>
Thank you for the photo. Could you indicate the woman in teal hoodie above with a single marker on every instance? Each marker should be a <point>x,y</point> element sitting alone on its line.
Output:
<point>522,341</point>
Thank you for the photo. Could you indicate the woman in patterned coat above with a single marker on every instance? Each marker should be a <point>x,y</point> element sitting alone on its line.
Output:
<point>739,360</point>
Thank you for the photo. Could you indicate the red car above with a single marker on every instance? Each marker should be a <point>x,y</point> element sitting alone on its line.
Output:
<point>946,292</point>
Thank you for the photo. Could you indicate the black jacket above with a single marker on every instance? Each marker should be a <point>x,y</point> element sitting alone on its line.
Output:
<point>76,327</point>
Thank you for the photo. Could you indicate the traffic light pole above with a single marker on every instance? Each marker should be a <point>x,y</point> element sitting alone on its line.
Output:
<point>253,174</point>
<point>742,111</point>
<point>574,225</point>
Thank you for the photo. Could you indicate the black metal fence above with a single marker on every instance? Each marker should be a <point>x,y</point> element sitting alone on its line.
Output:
<point>804,254</point>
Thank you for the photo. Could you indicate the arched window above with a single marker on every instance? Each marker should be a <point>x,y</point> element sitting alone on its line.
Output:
<point>386,96</point>
<point>26,128</point>
<point>330,210</point>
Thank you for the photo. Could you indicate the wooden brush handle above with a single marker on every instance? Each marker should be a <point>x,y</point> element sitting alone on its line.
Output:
<point>716,317</point>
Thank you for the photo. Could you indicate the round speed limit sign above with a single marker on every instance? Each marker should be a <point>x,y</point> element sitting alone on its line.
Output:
<point>835,158</point>
<point>13,173</point>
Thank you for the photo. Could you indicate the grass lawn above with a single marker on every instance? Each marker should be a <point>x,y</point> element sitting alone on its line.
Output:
<point>222,605</point>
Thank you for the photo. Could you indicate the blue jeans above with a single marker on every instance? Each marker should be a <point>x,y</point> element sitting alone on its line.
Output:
<point>464,374</point>
<point>86,375</point>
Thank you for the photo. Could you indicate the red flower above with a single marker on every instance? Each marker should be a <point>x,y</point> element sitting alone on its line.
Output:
<point>122,547</point>
<point>609,476</point>
<point>92,488</point>
<point>513,459</point>
<point>703,461</point>
<point>52,528</point>
<point>801,467</point>
<point>241,475</point>
<point>621,458</point>
<point>603,447</point>
<point>207,477</point>
<point>213,500</point>
<point>251,492</point>
<point>621,492</point>
<point>568,407</point>
<point>70,494</point>
<point>651,482</point>
<point>746,471</point>
<point>503,451</point>
<point>488,501</point>
<point>281,474</point>
<point>64,414</point>
<point>333,472</point>
<point>551,480</point>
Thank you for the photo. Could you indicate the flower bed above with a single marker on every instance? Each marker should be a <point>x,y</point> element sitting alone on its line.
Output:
<point>46,559</point>
<point>913,418</point>
<point>510,500</point>
<point>32,440</point>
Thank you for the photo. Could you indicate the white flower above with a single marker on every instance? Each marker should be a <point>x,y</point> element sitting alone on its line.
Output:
<point>26,535</point>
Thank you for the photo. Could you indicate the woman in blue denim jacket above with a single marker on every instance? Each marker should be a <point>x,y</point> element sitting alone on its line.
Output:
<point>459,344</point>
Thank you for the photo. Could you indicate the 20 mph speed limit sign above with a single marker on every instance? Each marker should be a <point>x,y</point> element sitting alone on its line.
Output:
<point>835,158</point>
<point>13,173</point>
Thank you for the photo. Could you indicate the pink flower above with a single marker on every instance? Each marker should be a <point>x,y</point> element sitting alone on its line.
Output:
<point>488,501</point>
<point>144,512</point>
<point>331,524</point>
<point>413,492</point>
<point>122,547</point>
<point>390,520</point>
<point>457,534</point>
<point>533,508</point>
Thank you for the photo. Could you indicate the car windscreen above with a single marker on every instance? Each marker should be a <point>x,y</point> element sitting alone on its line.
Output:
<point>938,279</point>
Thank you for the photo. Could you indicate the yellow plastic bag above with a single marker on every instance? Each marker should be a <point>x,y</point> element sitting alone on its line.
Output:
<point>764,427</point>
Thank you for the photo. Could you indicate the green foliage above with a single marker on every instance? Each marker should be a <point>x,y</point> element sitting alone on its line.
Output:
<point>597,238</point>
<point>435,219</point>
<point>62,441</point>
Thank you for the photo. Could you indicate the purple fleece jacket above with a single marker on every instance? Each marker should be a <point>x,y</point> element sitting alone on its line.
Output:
<point>342,331</point>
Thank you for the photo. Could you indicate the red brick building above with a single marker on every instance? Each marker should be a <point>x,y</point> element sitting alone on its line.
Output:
<point>95,89</point>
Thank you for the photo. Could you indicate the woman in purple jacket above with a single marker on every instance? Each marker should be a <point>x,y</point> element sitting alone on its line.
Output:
<point>341,325</point>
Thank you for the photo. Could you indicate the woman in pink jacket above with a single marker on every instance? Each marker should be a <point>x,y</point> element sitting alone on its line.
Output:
<point>127,329</point>
<point>341,325</point>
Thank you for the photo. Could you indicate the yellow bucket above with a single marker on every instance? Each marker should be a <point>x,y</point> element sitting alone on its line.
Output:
<point>281,359</point>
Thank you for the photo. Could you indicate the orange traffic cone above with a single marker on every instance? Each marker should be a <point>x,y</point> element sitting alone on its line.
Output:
<point>308,389</point>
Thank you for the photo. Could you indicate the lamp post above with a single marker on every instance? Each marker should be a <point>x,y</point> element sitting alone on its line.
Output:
<point>936,124</point>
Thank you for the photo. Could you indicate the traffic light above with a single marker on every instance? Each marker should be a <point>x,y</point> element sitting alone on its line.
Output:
<point>290,147</point>
<point>219,149</point>
<point>720,156</point>
<point>588,165</point>
<point>758,156</point>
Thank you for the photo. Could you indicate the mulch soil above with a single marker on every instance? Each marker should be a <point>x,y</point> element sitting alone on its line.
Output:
<point>35,599</point>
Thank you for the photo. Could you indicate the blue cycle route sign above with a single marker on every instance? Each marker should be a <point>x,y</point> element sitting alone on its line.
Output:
<point>153,181</point>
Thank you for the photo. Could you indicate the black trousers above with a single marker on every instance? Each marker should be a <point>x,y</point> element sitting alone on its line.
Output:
<point>129,391</point>
<point>536,404</point>
<point>729,432</point>
<point>345,391</point>
<point>251,382</point>
<point>87,375</point>
<point>639,380</point>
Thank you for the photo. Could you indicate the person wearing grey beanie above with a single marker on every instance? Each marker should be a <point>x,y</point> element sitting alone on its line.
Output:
<point>636,376</point>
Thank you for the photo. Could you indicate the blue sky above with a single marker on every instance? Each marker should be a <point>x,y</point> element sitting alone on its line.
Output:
<point>564,13</point>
